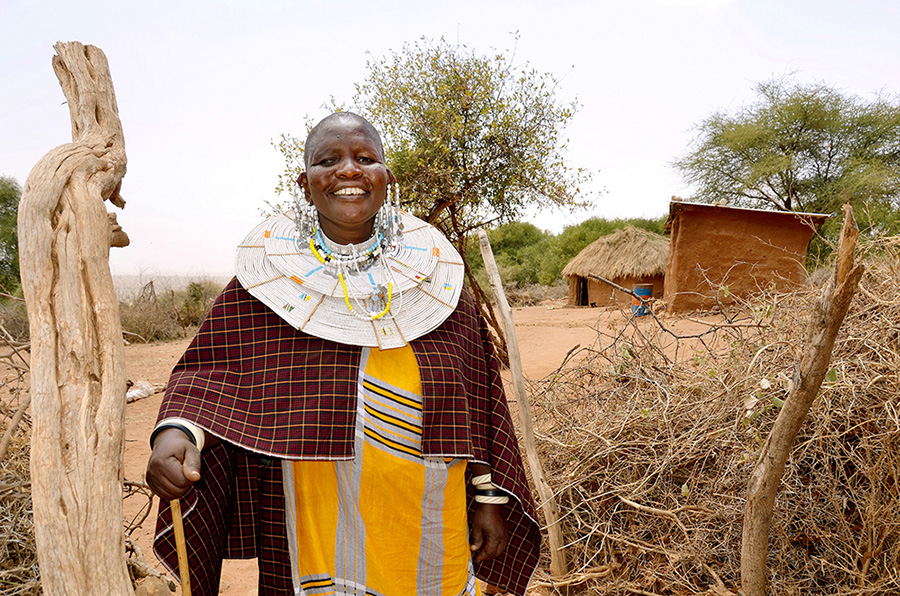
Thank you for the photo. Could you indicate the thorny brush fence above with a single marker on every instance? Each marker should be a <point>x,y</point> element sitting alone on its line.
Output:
<point>650,454</point>
<point>18,559</point>
<point>19,573</point>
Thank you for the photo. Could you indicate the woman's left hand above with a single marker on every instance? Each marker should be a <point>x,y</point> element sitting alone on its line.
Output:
<point>489,535</point>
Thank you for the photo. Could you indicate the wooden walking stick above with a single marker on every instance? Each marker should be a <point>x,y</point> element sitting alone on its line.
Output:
<point>181,547</point>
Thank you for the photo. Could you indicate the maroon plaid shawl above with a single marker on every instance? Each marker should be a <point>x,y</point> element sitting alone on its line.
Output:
<point>257,382</point>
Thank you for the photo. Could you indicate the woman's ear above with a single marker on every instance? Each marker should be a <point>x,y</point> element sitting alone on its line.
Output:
<point>391,178</point>
<point>303,181</point>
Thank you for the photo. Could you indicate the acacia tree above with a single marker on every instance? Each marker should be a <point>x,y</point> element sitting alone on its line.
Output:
<point>471,138</point>
<point>466,133</point>
<point>801,148</point>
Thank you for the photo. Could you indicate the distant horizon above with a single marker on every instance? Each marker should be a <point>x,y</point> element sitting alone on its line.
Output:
<point>149,271</point>
<point>128,286</point>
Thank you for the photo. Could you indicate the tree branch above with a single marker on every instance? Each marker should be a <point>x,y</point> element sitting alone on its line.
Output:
<point>826,319</point>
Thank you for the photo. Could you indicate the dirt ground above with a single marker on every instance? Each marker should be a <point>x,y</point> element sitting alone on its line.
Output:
<point>545,333</point>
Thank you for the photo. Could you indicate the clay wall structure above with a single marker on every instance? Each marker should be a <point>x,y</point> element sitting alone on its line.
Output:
<point>593,292</point>
<point>719,254</point>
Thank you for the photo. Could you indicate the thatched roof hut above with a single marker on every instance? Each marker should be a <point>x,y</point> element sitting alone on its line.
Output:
<point>628,257</point>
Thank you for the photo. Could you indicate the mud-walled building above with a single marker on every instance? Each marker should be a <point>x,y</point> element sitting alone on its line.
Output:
<point>719,254</point>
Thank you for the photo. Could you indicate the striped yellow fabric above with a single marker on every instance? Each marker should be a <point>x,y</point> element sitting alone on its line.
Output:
<point>389,522</point>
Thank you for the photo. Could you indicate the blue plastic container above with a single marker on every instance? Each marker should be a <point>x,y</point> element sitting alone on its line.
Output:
<point>638,307</point>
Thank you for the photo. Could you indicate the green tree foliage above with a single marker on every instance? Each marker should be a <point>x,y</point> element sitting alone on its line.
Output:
<point>802,148</point>
<point>471,138</point>
<point>10,193</point>
<point>526,255</point>
<point>518,250</point>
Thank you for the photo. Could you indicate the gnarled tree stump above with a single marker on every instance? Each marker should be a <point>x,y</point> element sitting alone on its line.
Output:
<point>78,370</point>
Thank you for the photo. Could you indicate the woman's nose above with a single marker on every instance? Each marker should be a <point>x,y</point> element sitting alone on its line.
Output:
<point>348,168</point>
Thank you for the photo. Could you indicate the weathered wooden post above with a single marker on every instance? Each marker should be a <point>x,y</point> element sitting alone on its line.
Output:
<point>77,353</point>
<point>558,565</point>
<point>825,321</point>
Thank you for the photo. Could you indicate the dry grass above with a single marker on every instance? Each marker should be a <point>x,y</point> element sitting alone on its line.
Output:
<point>650,455</point>
<point>18,559</point>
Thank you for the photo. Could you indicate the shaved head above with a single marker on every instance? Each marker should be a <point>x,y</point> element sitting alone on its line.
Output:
<point>312,138</point>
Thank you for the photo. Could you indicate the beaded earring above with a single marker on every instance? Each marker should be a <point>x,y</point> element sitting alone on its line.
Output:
<point>306,218</point>
<point>388,220</point>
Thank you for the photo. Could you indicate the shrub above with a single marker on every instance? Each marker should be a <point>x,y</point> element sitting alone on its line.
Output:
<point>150,320</point>
<point>171,314</point>
<point>534,294</point>
<point>14,319</point>
<point>194,302</point>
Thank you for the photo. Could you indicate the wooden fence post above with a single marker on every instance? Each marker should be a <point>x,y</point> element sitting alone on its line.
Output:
<point>558,565</point>
<point>77,352</point>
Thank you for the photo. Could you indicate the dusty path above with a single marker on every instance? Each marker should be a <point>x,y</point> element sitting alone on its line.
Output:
<point>546,334</point>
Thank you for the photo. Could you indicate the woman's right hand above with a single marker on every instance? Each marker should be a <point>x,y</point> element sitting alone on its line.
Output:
<point>174,464</point>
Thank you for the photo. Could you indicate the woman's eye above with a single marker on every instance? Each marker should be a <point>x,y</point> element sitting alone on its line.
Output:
<point>366,160</point>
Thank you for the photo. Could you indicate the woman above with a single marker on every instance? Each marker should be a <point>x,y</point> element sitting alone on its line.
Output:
<point>342,390</point>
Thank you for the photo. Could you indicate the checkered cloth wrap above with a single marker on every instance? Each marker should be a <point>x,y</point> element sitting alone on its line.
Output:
<point>260,384</point>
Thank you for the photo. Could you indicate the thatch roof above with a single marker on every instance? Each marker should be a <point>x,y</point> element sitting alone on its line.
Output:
<point>630,252</point>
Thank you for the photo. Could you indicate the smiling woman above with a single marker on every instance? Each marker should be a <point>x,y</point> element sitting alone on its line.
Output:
<point>348,352</point>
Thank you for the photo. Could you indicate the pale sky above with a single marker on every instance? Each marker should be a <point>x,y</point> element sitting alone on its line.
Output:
<point>204,86</point>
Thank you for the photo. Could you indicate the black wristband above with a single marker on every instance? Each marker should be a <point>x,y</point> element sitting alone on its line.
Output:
<point>482,492</point>
<point>168,425</point>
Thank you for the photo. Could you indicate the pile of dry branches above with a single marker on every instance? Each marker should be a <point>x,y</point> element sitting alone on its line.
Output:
<point>18,559</point>
<point>650,453</point>
<point>19,573</point>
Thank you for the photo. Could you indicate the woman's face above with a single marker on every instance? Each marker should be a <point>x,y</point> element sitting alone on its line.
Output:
<point>346,180</point>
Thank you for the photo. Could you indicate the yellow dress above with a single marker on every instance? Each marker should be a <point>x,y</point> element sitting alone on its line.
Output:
<point>389,522</point>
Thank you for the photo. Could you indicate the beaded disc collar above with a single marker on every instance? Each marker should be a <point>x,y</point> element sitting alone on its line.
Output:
<point>357,294</point>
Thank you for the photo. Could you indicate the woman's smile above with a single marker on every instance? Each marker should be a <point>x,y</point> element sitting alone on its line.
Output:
<point>348,192</point>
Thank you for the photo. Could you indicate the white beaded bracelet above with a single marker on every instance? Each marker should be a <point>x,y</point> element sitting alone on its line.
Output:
<point>186,426</point>
<point>478,481</point>
<point>491,500</point>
